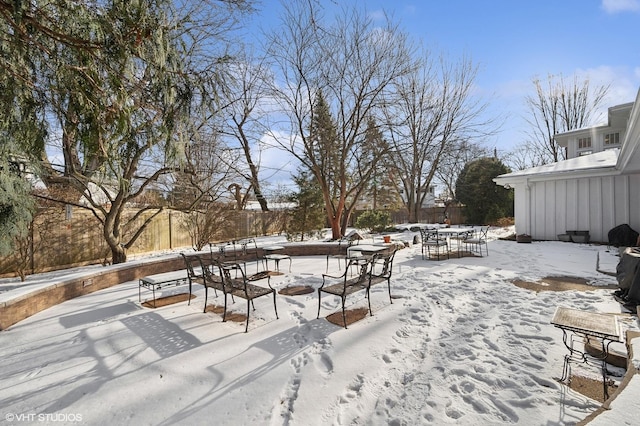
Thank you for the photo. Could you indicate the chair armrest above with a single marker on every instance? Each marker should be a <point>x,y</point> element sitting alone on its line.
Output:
<point>335,277</point>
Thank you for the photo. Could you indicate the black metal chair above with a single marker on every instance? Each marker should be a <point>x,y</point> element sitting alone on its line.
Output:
<point>343,244</point>
<point>346,285</point>
<point>381,270</point>
<point>210,281</point>
<point>459,240</point>
<point>227,253</point>
<point>433,241</point>
<point>248,247</point>
<point>243,288</point>
<point>192,276</point>
<point>478,240</point>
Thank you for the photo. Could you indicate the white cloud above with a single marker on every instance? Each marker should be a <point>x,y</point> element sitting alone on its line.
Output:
<point>616,6</point>
<point>277,166</point>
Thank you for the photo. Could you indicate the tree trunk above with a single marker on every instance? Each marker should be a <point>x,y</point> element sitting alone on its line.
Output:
<point>111,232</point>
<point>336,231</point>
<point>412,208</point>
<point>118,254</point>
<point>261,200</point>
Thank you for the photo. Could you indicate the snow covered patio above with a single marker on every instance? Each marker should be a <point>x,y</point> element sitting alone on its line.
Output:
<point>460,344</point>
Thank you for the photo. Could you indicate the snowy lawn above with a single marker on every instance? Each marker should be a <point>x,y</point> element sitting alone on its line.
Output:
<point>460,345</point>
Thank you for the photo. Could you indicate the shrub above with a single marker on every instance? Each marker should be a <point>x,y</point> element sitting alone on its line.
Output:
<point>374,220</point>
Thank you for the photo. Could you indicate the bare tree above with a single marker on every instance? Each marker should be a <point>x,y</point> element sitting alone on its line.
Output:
<point>350,62</point>
<point>200,188</point>
<point>559,107</point>
<point>453,161</point>
<point>243,117</point>
<point>432,116</point>
<point>524,156</point>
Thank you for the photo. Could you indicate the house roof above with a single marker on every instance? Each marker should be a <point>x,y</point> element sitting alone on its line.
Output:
<point>594,164</point>
<point>616,117</point>
<point>613,161</point>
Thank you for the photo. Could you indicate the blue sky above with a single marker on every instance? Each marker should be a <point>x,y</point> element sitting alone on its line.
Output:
<point>513,42</point>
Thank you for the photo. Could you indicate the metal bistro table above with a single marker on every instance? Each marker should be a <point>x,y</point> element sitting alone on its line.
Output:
<point>456,233</point>
<point>276,257</point>
<point>365,250</point>
<point>363,253</point>
<point>157,281</point>
<point>586,327</point>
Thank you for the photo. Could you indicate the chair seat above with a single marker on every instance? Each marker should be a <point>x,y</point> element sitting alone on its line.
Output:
<point>253,291</point>
<point>435,243</point>
<point>339,289</point>
<point>474,241</point>
<point>214,282</point>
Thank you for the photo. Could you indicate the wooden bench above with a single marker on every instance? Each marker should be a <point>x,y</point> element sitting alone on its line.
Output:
<point>371,270</point>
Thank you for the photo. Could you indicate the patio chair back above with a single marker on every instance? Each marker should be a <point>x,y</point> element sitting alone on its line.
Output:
<point>477,241</point>
<point>431,240</point>
<point>243,287</point>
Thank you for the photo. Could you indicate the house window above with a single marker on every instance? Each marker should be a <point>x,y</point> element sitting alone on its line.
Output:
<point>612,139</point>
<point>584,143</point>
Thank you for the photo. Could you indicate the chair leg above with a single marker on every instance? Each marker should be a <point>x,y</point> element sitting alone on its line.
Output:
<point>319,300</point>
<point>246,327</point>
<point>224,312</point>
<point>189,302</point>
<point>389,288</point>
<point>369,300</point>
<point>205,298</point>
<point>275,308</point>
<point>344,315</point>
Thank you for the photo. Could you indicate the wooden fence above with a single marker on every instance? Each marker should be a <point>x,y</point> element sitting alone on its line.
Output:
<point>64,238</point>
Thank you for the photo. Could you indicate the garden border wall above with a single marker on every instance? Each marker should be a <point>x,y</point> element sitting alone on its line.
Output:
<point>16,306</point>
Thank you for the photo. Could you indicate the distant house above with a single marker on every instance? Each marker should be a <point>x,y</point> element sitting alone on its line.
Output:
<point>595,189</point>
<point>600,138</point>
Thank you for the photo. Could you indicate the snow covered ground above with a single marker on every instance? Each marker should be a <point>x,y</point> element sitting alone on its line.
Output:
<point>460,345</point>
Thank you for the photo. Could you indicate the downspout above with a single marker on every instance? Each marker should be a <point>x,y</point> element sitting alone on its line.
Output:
<point>529,206</point>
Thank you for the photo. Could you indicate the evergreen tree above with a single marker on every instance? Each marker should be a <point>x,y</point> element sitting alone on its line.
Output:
<point>325,148</point>
<point>16,204</point>
<point>484,201</point>
<point>119,82</point>
<point>308,216</point>
<point>381,191</point>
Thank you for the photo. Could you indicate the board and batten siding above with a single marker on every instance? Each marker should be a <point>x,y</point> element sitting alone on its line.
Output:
<point>594,204</point>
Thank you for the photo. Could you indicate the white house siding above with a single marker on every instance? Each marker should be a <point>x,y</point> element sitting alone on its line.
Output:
<point>592,193</point>
<point>594,204</point>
